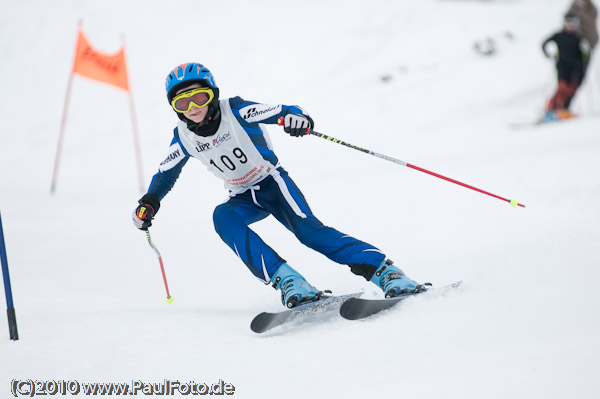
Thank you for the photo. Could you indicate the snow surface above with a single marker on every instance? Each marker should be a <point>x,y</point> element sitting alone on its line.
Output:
<point>398,77</point>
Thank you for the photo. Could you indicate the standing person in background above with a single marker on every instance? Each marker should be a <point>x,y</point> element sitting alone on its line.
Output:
<point>570,60</point>
<point>587,13</point>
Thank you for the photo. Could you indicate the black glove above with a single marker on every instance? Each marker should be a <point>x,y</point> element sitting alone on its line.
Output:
<point>297,125</point>
<point>144,213</point>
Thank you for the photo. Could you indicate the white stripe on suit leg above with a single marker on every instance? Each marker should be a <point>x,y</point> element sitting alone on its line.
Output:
<point>288,196</point>
<point>267,277</point>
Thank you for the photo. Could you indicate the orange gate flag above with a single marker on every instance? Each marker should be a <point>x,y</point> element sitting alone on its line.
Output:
<point>107,68</point>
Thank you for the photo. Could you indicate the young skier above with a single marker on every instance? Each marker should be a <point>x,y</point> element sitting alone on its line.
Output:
<point>226,136</point>
<point>572,53</point>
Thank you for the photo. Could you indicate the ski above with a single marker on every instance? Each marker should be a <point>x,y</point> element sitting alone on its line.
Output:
<point>267,321</point>
<point>358,308</point>
<point>526,124</point>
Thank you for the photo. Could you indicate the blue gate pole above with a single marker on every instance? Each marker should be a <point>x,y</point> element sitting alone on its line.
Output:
<point>10,307</point>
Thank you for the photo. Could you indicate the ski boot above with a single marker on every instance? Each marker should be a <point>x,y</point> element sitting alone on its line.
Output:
<point>394,282</point>
<point>549,116</point>
<point>564,113</point>
<point>295,290</point>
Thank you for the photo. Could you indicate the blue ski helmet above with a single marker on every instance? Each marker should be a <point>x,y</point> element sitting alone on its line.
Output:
<point>187,74</point>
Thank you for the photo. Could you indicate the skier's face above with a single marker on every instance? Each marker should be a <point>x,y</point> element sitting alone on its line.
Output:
<point>570,28</point>
<point>195,114</point>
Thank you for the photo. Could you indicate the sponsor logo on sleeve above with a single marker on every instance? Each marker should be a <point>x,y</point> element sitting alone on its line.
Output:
<point>259,112</point>
<point>173,158</point>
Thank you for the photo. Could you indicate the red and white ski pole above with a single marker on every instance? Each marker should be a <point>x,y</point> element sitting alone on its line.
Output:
<point>514,203</point>
<point>169,298</point>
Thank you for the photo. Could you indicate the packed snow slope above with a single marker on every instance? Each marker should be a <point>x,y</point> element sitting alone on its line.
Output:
<point>397,77</point>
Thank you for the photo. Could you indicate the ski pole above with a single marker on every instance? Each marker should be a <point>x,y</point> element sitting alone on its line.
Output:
<point>169,298</point>
<point>514,203</point>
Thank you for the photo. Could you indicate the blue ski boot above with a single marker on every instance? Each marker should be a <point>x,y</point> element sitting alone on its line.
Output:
<point>550,116</point>
<point>295,290</point>
<point>394,282</point>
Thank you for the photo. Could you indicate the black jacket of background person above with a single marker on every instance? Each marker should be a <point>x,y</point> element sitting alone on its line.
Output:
<point>570,57</point>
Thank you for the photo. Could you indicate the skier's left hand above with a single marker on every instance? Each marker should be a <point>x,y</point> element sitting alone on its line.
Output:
<point>297,125</point>
<point>145,211</point>
<point>142,217</point>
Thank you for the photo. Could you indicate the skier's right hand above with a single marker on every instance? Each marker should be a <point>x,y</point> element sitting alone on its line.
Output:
<point>145,211</point>
<point>297,125</point>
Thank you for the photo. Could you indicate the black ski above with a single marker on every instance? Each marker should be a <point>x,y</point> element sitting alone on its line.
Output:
<point>266,321</point>
<point>357,308</point>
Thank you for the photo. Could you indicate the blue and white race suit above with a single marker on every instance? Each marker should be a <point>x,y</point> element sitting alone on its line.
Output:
<point>240,153</point>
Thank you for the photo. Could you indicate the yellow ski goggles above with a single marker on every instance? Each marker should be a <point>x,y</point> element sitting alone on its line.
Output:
<point>199,97</point>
